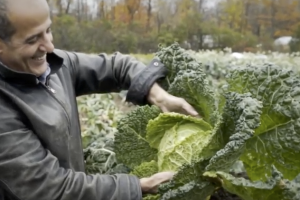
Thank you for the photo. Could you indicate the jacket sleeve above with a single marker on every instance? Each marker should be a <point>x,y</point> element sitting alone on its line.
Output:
<point>102,73</point>
<point>28,171</point>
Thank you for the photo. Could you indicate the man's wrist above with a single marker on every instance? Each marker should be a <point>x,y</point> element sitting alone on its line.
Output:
<point>156,94</point>
<point>138,92</point>
<point>144,183</point>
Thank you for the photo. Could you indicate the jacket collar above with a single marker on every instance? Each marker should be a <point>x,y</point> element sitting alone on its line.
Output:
<point>55,62</point>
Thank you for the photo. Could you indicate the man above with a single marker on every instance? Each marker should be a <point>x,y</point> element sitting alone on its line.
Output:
<point>41,155</point>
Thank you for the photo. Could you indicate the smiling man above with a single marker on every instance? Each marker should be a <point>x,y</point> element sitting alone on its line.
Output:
<point>22,52</point>
<point>41,156</point>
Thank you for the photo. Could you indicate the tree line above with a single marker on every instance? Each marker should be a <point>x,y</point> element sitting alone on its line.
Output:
<point>139,26</point>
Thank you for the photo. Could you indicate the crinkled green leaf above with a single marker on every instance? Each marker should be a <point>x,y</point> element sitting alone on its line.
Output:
<point>175,59</point>
<point>178,138</point>
<point>188,183</point>
<point>188,174</point>
<point>190,191</point>
<point>130,144</point>
<point>194,88</point>
<point>146,169</point>
<point>279,146</point>
<point>151,197</point>
<point>157,127</point>
<point>275,188</point>
<point>277,139</point>
<point>242,113</point>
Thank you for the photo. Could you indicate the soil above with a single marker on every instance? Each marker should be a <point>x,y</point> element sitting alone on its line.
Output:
<point>222,194</point>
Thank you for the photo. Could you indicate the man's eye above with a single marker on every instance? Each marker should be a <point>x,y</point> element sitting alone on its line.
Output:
<point>32,41</point>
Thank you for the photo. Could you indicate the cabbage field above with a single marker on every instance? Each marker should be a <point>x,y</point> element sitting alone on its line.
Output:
<point>245,146</point>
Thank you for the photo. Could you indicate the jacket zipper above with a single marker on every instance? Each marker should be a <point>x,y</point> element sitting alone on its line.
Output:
<point>50,89</point>
<point>52,92</point>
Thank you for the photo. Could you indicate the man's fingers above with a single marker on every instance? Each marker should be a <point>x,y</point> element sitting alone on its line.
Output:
<point>164,109</point>
<point>151,184</point>
<point>163,177</point>
<point>189,109</point>
<point>180,105</point>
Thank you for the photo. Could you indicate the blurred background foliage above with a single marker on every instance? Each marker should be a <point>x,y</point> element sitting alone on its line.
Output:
<point>138,26</point>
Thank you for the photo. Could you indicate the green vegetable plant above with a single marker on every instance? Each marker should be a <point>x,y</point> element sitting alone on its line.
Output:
<point>253,120</point>
<point>98,117</point>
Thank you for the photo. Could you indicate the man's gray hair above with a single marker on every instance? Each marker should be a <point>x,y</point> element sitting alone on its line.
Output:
<point>6,27</point>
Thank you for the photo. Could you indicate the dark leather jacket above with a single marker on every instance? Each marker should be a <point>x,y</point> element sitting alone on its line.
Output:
<point>41,154</point>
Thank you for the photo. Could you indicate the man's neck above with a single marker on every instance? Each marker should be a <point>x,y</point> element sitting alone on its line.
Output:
<point>43,77</point>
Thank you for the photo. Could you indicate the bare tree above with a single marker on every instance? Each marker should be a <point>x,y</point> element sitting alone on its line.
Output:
<point>132,7</point>
<point>67,10</point>
<point>149,14</point>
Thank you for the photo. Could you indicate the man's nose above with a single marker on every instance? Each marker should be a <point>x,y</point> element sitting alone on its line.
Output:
<point>47,45</point>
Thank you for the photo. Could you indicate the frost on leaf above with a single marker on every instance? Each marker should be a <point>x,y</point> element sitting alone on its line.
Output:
<point>279,146</point>
<point>242,115</point>
<point>175,59</point>
<point>188,183</point>
<point>146,169</point>
<point>130,145</point>
<point>274,188</point>
<point>277,139</point>
<point>190,191</point>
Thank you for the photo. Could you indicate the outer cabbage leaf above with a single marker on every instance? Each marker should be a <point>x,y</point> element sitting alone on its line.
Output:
<point>146,169</point>
<point>178,138</point>
<point>279,146</point>
<point>275,188</point>
<point>130,144</point>
<point>242,115</point>
<point>277,139</point>
<point>190,191</point>
<point>175,59</point>
<point>151,197</point>
<point>194,88</point>
<point>188,183</point>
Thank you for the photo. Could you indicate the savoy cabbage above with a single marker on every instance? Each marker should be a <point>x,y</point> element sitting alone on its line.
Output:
<point>255,119</point>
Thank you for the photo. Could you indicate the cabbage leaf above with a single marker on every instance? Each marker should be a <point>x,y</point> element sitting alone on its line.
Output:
<point>277,140</point>
<point>178,138</point>
<point>275,187</point>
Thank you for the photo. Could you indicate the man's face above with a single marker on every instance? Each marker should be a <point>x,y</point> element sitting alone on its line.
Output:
<point>26,51</point>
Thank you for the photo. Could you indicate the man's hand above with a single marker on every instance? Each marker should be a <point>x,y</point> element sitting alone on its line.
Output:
<point>169,103</point>
<point>150,185</point>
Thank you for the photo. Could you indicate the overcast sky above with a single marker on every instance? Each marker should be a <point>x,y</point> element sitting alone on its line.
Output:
<point>93,3</point>
<point>209,2</point>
